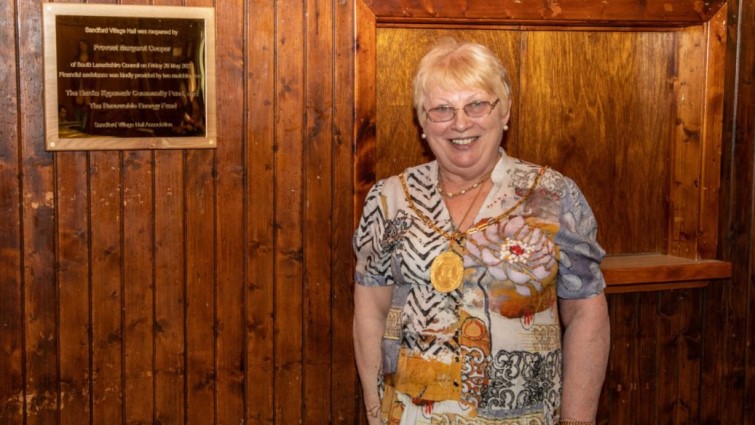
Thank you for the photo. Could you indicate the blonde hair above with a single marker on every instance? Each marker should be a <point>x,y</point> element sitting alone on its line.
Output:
<point>453,64</point>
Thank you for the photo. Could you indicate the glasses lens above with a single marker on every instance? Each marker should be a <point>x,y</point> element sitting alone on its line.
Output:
<point>441,113</point>
<point>477,109</point>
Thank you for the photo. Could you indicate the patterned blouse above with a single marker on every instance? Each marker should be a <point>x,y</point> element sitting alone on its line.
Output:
<point>488,352</point>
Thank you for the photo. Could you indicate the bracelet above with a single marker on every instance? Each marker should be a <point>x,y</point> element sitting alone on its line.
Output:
<point>571,422</point>
<point>373,411</point>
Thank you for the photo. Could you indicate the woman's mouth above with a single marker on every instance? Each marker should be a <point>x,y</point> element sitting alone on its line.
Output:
<point>463,142</point>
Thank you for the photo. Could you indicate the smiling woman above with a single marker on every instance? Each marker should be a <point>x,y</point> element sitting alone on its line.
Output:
<point>470,266</point>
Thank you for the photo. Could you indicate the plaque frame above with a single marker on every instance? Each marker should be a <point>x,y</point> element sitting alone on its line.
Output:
<point>142,134</point>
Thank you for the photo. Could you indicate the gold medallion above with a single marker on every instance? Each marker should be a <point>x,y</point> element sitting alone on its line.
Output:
<point>447,271</point>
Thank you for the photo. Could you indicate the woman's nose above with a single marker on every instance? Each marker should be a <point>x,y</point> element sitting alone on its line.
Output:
<point>461,121</point>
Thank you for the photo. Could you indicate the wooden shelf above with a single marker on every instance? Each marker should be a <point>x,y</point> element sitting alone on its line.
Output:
<point>654,272</point>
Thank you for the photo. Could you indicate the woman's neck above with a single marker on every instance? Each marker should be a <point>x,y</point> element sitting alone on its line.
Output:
<point>449,182</point>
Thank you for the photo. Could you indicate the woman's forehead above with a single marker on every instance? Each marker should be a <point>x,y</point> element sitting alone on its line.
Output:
<point>454,93</point>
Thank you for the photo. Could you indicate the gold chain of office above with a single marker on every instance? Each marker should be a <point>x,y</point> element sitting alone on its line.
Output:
<point>457,236</point>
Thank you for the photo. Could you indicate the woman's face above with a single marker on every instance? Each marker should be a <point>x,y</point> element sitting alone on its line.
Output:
<point>466,147</point>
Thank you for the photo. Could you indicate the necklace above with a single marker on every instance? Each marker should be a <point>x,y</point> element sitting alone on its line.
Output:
<point>471,205</point>
<point>450,195</point>
<point>447,269</point>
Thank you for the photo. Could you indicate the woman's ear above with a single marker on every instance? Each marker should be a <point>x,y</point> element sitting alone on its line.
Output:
<point>505,110</point>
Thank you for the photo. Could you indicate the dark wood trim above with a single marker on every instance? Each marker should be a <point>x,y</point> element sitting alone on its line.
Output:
<point>636,14</point>
<point>364,105</point>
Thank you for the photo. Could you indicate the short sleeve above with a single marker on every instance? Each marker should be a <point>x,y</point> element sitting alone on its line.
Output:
<point>579,274</point>
<point>372,253</point>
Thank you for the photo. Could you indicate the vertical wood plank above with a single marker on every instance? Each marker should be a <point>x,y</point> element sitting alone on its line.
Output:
<point>138,287</point>
<point>260,217</point>
<point>40,295</point>
<point>200,288</point>
<point>678,356</point>
<point>318,57</point>
<point>138,284</point>
<point>715,33</point>
<point>107,278</point>
<point>170,297</point>
<point>715,311</point>
<point>201,280</point>
<point>745,167</point>
<point>622,368</point>
<point>647,367</point>
<point>73,286</point>
<point>12,393</point>
<point>690,357</point>
<point>748,273</point>
<point>169,336</point>
<point>345,384</point>
<point>230,209</point>
<point>38,224</point>
<point>364,131</point>
<point>686,143</point>
<point>290,125</point>
<point>669,354</point>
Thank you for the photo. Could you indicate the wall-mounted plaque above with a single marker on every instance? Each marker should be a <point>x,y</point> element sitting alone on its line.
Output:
<point>129,77</point>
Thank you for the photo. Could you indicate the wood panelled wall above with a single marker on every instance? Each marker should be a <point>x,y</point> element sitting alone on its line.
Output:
<point>214,286</point>
<point>186,286</point>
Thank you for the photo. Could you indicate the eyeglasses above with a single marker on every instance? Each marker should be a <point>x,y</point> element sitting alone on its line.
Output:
<point>476,109</point>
